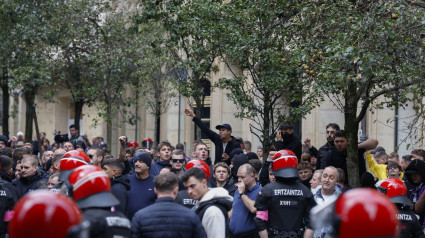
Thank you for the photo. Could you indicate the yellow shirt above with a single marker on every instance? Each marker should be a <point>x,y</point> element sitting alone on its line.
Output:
<point>379,170</point>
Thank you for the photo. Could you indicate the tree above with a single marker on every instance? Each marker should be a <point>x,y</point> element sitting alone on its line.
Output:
<point>73,39</point>
<point>154,75</point>
<point>258,49</point>
<point>115,60</point>
<point>23,59</point>
<point>189,41</point>
<point>360,51</point>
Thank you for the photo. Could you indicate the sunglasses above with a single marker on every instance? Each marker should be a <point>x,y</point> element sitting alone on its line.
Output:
<point>178,160</point>
<point>90,156</point>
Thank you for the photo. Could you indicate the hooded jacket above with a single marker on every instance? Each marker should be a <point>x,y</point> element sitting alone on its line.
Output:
<point>212,209</point>
<point>119,188</point>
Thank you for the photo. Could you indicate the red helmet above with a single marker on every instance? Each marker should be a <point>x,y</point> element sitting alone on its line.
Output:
<point>285,164</point>
<point>77,154</point>
<point>91,187</point>
<point>44,214</point>
<point>396,190</point>
<point>363,208</point>
<point>147,143</point>
<point>71,160</point>
<point>199,164</point>
<point>133,144</point>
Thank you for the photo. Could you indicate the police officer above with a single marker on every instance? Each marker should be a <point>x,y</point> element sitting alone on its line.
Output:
<point>283,206</point>
<point>91,189</point>
<point>46,214</point>
<point>357,213</point>
<point>396,190</point>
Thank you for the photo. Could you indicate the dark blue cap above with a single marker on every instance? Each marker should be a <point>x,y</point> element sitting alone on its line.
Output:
<point>227,126</point>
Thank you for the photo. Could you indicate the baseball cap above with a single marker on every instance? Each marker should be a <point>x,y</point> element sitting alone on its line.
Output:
<point>225,125</point>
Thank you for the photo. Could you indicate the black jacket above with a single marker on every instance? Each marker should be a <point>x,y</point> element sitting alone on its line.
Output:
<point>6,180</point>
<point>107,224</point>
<point>119,188</point>
<point>25,185</point>
<point>164,219</point>
<point>293,144</point>
<point>322,155</point>
<point>339,160</point>
<point>7,201</point>
<point>215,138</point>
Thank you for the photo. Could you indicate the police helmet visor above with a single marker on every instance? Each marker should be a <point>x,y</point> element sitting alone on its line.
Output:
<point>286,173</point>
<point>103,199</point>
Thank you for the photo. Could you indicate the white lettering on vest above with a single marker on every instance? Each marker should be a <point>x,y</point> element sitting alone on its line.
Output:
<point>190,201</point>
<point>288,192</point>
<point>404,217</point>
<point>118,221</point>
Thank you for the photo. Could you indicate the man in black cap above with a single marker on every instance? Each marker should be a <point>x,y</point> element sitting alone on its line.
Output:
<point>141,193</point>
<point>223,141</point>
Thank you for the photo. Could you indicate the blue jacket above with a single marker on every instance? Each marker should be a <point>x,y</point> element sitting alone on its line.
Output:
<point>165,218</point>
<point>156,167</point>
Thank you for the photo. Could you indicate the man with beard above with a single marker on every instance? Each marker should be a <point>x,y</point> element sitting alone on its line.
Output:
<point>141,193</point>
<point>286,140</point>
<point>325,150</point>
<point>338,158</point>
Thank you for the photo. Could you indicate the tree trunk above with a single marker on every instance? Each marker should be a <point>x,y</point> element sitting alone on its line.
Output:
<point>199,105</point>
<point>267,139</point>
<point>78,111</point>
<point>6,102</point>
<point>29,113</point>
<point>157,122</point>
<point>351,130</point>
<point>109,126</point>
<point>37,131</point>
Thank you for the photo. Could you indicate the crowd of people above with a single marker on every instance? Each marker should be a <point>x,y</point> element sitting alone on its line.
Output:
<point>296,190</point>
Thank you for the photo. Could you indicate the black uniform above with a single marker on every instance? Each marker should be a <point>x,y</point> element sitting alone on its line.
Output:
<point>409,223</point>
<point>288,205</point>
<point>184,199</point>
<point>107,224</point>
<point>7,201</point>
